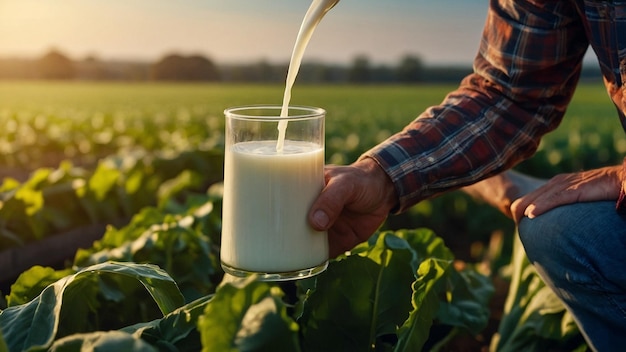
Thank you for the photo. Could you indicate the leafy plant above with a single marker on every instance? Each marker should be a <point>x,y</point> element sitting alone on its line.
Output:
<point>55,200</point>
<point>168,142</point>
<point>64,307</point>
<point>534,317</point>
<point>385,295</point>
<point>185,244</point>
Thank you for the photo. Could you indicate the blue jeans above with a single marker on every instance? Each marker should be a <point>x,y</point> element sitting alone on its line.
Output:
<point>579,250</point>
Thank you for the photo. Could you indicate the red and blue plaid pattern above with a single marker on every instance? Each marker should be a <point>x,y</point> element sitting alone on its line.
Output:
<point>525,73</point>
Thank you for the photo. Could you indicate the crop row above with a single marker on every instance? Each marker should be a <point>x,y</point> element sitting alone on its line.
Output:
<point>156,284</point>
<point>52,201</point>
<point>149,160</point>
<point>69,142</point>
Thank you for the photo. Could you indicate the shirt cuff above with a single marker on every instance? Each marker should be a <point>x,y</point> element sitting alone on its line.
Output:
<point>621,200</point>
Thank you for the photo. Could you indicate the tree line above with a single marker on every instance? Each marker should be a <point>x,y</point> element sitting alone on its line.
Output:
<point>54,65</point>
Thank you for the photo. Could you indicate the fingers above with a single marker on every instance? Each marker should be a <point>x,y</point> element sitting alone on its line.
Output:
<point>341,238</point>
<point>362,190</point>
<point>517,210</point>
<point>526,206</point>
<point>585,186</point>
<point>542,199</point>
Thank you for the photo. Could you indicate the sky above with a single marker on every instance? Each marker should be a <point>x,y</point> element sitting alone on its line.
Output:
<point>240,31</point>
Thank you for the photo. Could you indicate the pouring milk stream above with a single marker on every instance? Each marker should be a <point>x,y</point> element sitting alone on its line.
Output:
<point>313,16</point>
<point>269,184</point>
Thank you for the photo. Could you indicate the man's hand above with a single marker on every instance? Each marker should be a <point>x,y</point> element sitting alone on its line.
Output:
<point>518,195</point>
<point>354,203</point>
<point>585,186</point>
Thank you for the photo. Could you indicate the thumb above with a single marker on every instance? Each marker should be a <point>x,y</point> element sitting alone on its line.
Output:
<point>328,205</point>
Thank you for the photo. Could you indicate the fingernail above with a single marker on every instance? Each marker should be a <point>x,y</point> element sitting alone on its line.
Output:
<point>320,219</point>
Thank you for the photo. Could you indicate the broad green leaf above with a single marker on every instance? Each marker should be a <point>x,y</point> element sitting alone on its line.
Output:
<point>466,293</point>
<point>134,180</point>
<point>62,208</point>
<point>21,215</point>
<point>413,333</point>
<point>177,330</point>
<point>392,299</point>
<point>137,191</point>
<point>157,282</point>
<point>534,317</point>
<point>31,282</point>
<point>32,198</point>
<point>426,244</point>
<point>468,306</point>
<point>361,299</point>
<point>38,178</point>
<point>103,180</point>
<point>175,246</point>
<point>101,341</point>
<point>338,314</point>
<point>35,324</point>
<point>187,179</point>
<point>114,237</point>
<point>98,197</point>
<point>138,182</point>
<point>247,315</point>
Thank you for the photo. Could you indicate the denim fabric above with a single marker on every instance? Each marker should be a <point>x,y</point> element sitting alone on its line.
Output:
<point>579,250</point>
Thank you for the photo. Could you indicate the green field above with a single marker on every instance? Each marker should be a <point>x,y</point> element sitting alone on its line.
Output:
<point>99,118</point>
<point>148,156</point>
<point>47,122</point>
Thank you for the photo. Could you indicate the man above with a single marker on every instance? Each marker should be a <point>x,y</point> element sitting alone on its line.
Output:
<point>525,73</point>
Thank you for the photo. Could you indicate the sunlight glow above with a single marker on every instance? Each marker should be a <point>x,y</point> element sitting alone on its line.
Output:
<point>240,30</point>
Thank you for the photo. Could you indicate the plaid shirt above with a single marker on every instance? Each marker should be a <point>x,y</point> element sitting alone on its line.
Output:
<point>525,73</point>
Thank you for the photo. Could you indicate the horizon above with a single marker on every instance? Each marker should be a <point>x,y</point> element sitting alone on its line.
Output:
<point>239,31</point>
<point>244,31</point>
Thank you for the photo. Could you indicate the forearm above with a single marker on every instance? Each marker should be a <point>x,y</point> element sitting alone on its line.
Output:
<point>500,191</point>
<point>475,133</point>
<point>498,115</point>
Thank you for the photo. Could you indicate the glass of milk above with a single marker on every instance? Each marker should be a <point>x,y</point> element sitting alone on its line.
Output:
<point>268,190</point>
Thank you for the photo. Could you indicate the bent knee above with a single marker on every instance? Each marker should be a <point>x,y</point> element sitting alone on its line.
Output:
<point>583,242</point>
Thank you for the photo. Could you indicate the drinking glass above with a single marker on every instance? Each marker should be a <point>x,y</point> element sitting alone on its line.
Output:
<point>268,190</point>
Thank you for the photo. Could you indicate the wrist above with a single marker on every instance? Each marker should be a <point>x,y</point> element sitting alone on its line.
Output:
<point>382,181</point>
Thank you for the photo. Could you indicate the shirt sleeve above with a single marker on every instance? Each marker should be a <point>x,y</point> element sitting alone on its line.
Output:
<point>525,73</point>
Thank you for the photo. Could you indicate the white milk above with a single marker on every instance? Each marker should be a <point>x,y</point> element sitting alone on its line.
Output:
<point>312,18</point>
<point>265,227</point>
<point>271,186</point>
